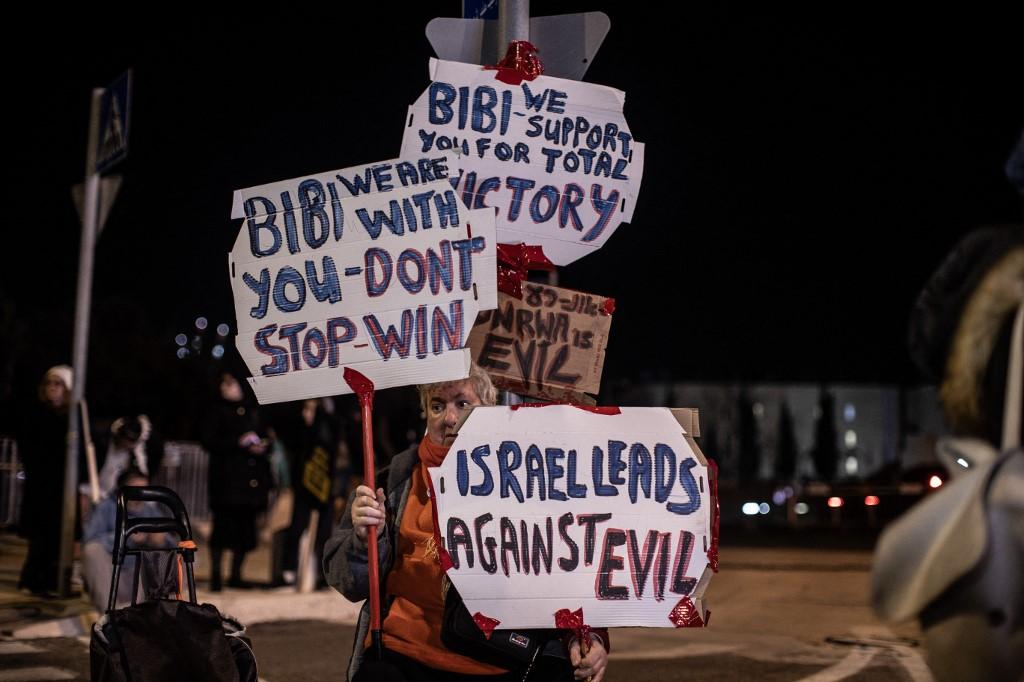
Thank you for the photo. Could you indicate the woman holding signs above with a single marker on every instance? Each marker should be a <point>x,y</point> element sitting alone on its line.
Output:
<point>414,583</point>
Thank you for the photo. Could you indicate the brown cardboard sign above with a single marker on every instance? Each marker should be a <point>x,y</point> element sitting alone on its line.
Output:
<point>549,345</point>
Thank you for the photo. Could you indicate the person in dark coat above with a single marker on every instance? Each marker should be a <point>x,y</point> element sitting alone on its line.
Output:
<point>42,448</point>
<point>311,437</point>
<point>239,477</point>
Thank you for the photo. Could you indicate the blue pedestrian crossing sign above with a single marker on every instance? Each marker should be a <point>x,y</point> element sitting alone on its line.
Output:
<point>112,145</point>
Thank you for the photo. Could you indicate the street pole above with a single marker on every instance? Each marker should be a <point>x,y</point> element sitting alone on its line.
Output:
<point>80,349</point>
<point>513,23</point>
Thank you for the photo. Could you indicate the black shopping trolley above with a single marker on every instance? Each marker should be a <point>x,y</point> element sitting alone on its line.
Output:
<point>164,637</point>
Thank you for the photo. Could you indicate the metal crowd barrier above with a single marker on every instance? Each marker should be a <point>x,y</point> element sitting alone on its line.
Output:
<point>11,481</point>
<point>184,471</point>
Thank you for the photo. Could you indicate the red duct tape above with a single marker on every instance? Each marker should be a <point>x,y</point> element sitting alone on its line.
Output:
<point>520,63</point>
<point>685,615</point>
<point>609,306</point>
<point>716,514</point>
<point>514,260</point>
<point>568,620</point>
<point>511,254</point>
<point>510,281</point>
<point>572,620</point>
<point>485,624</point>
<point>607,411</point>
<point>535,258</point>
<point>524,256</point>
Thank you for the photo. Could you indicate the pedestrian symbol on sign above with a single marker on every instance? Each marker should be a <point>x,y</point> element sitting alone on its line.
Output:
<point>113,136</point>
<point>114,120</point>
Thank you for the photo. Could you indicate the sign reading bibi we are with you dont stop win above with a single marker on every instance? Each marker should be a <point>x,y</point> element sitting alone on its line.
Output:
<point>380,268</point>
<point>611,510</point>
<point>554,156</point>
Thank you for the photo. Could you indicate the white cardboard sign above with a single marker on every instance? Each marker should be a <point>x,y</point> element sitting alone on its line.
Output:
<point>554,156</point>
<point>541,509</point>
<point>380,268</point>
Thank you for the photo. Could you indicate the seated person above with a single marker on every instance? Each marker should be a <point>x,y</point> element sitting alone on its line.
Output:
<point>98,546</point>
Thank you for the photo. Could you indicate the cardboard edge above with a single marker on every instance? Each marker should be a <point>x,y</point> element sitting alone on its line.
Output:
<point>697,596</point>
<point>688,418</point>
<point>464,417</point>
<point>702,584</point>
<point>697,452</point>
<point>546,394</point>
<point>237,199</point>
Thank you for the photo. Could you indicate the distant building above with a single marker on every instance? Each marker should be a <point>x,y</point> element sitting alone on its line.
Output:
<point>873,425</point>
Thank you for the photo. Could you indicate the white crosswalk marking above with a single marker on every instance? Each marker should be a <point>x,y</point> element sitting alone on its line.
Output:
<point>905,651</point>
<point>851,665</point>
<point>913,662</point>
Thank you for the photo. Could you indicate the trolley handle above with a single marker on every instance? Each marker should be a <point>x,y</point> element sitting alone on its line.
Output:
<point>127,525</point>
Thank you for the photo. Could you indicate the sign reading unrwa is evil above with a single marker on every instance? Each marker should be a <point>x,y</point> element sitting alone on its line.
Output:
<point>550,344</point>
<point>554,156</point>
<point>381,268</point>
<point>553,507</point>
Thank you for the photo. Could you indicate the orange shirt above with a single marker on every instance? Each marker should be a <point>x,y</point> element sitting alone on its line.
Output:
<point>413,624</point>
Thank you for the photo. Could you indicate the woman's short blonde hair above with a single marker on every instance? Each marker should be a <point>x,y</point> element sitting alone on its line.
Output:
<point>482,384</point>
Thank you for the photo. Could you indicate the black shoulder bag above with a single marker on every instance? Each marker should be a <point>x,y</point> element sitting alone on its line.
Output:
<point>510,649</point>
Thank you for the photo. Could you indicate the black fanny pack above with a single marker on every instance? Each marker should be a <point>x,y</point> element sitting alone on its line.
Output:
<point>510,649</point>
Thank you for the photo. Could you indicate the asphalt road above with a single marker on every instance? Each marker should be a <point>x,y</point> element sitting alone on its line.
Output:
<point>777,614</point>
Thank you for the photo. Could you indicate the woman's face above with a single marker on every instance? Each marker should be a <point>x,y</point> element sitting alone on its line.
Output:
<point>230,390</point>
<point>446,407</point>
<point>54,391</point>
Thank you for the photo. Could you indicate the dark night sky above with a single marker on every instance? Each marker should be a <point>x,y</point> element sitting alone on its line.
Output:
<point>804,175</point>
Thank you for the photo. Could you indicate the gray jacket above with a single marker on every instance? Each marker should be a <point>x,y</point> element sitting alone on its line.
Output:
<point>345,558</point>
<point>346,563</point>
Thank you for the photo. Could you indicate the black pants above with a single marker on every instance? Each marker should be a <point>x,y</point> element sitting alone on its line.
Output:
<point>398,668</point>
<point>301,511</point>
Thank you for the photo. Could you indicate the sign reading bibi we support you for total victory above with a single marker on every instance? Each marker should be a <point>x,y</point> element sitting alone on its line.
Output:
<point>555,156</point>
<point>557,507</point>
<point>381,268</point>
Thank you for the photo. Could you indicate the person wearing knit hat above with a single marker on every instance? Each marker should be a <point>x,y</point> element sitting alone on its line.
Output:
<point>42,447</point>
<point>55,388</point>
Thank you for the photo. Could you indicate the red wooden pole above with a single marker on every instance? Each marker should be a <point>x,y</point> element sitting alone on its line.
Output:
<point>363,387</point>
